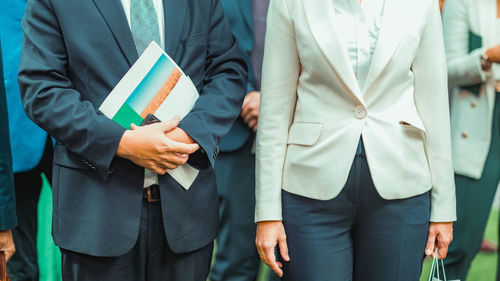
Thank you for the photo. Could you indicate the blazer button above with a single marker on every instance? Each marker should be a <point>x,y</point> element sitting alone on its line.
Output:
<point>473,104</point>
<point>216,152</point>
<point>360,112</point>
<point>465,135</point>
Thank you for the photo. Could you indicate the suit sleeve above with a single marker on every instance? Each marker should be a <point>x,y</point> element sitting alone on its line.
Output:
<point>431,98</point>
<point>222,94</point>
<point>48,95</point>
<point>7,200</point>
<point>279,94</point>
<point>464,67</point>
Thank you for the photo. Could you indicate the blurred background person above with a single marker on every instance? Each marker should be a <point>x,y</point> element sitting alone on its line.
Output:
<point>7,200</point>
<point>31,148</point>
<point>236,258</point>
<point>354,140</point>
<point>472,38</point>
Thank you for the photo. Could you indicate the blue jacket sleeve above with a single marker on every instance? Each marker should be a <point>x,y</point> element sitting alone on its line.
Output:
<point>222,94</point>
<point>49,98</point>
<point>8,218</point>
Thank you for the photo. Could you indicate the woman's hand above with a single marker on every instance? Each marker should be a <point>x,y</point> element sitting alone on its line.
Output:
<point>440,236</point>
<point>270,234</point>
<point>494,54</point>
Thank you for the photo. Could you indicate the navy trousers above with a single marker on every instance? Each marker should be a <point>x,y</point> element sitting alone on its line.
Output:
<point>150,260</point>
<point>357,235</point>
<point>236,258</point>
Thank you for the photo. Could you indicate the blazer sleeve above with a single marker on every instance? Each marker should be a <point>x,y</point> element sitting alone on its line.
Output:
<point>431,98</point>
<point>48,95</point>
<point>224,89</point>
<point>279,94</point>
<point>8,218</point>
<point>464,67</point>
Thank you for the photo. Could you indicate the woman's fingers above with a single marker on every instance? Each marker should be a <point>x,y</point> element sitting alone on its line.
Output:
<point>283,248</point>
<point>431,243</point>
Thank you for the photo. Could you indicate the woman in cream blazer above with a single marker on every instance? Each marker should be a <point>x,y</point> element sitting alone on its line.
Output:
<point>472,40</point>
<point>354,171</point>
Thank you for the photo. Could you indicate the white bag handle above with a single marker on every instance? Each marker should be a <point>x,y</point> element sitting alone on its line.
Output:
<point>435,267</point>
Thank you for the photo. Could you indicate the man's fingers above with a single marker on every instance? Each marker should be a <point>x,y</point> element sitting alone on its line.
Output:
<point>431,243</point>
<point>175,158</point>
<point>134,126</point>
<point>181,148</point>
<point>170,125</point>
<point>283,248</point>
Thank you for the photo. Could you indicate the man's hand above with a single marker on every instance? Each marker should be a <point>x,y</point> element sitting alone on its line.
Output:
<point>7,243</point>
<point>250,109</point>
<point>440,236</point>
<point>270,234</point>
<point>149,147</point>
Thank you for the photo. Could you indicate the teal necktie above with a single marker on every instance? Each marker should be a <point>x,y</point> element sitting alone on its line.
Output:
<point>144,24</point>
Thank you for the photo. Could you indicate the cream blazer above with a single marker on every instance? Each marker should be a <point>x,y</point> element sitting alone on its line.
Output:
<point>471,114</point>
<point>313,112</point>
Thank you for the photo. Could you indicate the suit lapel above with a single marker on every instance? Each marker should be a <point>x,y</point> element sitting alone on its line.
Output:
<point>115,18</point>
<point>320,20</point>
<point>391,33</point>
<point>174,12</point>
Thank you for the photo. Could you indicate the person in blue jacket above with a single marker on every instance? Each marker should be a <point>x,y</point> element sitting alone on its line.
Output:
<point>30,146</point>
<point>7,201</point>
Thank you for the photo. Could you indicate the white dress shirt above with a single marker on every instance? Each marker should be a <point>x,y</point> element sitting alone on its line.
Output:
<point>358,26</point>
<point>150,178</point>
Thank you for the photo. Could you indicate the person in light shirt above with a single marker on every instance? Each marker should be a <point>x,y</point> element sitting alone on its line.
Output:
<point>472,40</point>
<point>354,176</point>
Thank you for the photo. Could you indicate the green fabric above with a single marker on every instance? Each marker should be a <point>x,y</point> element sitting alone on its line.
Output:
<point>49,257</point>
<point>475,42</point>
<point>474,199</point>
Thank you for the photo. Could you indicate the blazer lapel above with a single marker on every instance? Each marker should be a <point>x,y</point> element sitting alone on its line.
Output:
<point>320,20</point>
<point>174,12</point>
<point>391,33</point>
<point>113,14</point>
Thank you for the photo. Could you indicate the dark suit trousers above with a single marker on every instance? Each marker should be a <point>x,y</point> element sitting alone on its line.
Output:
<point>150,259</point>
<point>357,235</point>
<point>23,266</point>
<point>236,258</point>
<point>474,200</point>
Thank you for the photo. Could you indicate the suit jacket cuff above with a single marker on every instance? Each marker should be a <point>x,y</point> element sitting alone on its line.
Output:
<point>103,154</point>
<point>205,156</point>
<point>443,212</point>
<point>269,211</point>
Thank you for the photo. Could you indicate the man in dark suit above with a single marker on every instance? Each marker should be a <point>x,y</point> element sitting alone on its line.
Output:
<point>237,258</point>
<point>110,224</point>
<point>7,201</point>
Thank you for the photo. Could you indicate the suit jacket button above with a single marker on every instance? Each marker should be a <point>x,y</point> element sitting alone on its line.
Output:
<point>216,152</point>
<point>360,112</point>
<point>465,135</point>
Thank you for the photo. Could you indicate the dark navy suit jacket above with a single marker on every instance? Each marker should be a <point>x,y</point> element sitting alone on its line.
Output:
<point>74,52</point>
<point>239,14</point>
<point>7,201</point>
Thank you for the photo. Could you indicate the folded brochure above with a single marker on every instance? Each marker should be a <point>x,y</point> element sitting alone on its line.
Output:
<point>155,84</point>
